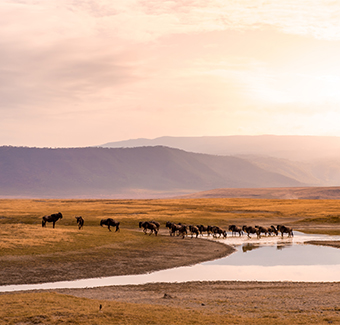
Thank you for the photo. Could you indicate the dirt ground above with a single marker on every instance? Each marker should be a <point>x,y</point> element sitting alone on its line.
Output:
<point>221,302</point>
<point>173,253</point>
<point>277,302</point>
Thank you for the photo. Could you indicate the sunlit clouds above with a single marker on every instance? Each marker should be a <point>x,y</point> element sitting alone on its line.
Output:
<point>78,73</point>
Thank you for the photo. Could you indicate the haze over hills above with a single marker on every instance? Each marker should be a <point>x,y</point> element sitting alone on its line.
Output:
<point>125,173</point>
<point>160,171</point>
<point>311,160</point>
<point>295,148</point>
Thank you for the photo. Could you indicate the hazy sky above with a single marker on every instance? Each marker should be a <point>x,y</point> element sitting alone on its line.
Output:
<point>86,72</point>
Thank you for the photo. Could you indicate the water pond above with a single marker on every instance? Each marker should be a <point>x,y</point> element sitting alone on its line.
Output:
<point>265,259</point>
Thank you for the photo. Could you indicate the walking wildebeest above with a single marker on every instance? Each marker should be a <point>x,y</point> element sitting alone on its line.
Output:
<point>80,222</point>
<point>273,230</point>
<point>110,223</point>
<point>156,223</point>
<point>235,229</point>
<point>182,229</point>
<point>148,225</point>
<point>194,230</point>
<point>52,218</point>
<point>283,229</point>
<point>251,230</point>
<point>262,230</point>
<point>202,228</point>
<point>217,230</point>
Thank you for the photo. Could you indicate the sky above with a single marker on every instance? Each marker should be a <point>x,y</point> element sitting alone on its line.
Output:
<point>77,73</point>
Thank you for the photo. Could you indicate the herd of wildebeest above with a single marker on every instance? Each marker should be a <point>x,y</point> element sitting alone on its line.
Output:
<point>179,229</point>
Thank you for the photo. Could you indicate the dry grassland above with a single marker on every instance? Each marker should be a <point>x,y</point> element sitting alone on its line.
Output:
<point>31,254</point>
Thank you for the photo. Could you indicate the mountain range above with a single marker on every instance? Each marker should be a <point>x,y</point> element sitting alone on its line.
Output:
<point>160,171</point>
<point>291,147</point>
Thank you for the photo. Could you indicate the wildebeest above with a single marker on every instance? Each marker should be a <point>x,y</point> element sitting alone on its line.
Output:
<point>285,230</point>
<point>251,230</point>
<point>52,218</point>
<point>169,226</point>
<point>202,229</point>
<point>110,223</point>
<point>148,225</point>
<point>272,229</point>
<point>262,230</point>
<point>218,231</point>
<point>156,223</point>
<point>181,229</point>
<point>235,229</point>
<point>194,230</point>
<point>80,222</point>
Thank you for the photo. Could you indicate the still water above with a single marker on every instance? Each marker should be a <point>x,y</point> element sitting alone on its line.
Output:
<point>265,259</point>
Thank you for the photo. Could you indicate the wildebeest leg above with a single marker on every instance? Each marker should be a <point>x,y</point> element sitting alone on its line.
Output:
<point>53,224</point>
<point>109,227</point>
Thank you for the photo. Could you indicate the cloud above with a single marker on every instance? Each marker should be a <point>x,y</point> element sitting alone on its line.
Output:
<point>151,66</point>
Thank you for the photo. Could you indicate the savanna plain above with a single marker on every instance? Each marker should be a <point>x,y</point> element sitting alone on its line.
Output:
<point>33,254</point>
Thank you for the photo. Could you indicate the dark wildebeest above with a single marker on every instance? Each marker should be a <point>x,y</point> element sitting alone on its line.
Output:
<point>262,230</point>
<point>52,218</point>
<point>202,229</point>
<point>194,230</point>
<point>182,229</point>
<point>272,229</point>
<point>148,225</point>
<point>235,229</point>
<point>110,223</point>
<point>285,230</point>
<point>156,223</point>
<point>219,231</point>
<point>210,229</point>
<point>251,230</point>
<point>80,222</point>
<point>169,226</point>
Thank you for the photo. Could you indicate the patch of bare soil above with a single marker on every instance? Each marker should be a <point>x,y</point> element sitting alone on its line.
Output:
<point>331,243</point>
<point>107,261</point>
<point>313,302</point>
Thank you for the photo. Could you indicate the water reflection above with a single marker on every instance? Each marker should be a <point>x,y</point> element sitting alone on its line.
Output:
<point>249,247</point>
<point>265,259</point>
<point>282,245</point>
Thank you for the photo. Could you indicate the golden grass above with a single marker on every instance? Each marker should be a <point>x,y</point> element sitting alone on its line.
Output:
<point>54,308</point>
<point>21,230</point>
<point>22,235</point>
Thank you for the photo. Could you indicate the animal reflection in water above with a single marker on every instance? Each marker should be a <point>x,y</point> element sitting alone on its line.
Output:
<point>52,218</point>
<point>153,226</point>
<point>249,247</point>
<point>80,222</point>
<point>110,223</point>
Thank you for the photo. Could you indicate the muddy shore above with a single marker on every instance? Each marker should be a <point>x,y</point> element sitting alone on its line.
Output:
<point>174,252</point>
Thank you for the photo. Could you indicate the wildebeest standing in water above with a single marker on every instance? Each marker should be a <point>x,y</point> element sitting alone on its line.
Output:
<point>80,222</point>
<point>110,222</point>
<point>52,218</point>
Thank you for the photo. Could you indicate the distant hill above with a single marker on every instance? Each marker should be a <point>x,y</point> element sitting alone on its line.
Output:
<point>143,172</point>
<point>307,193</point>
<point>294,148</point>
